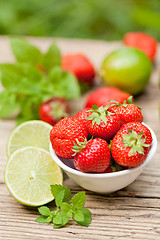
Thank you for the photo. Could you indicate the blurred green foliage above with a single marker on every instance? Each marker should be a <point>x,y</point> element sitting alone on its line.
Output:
<point>96,19</point>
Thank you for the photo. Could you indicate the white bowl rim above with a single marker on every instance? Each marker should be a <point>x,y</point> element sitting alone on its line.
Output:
<point>112,174</point>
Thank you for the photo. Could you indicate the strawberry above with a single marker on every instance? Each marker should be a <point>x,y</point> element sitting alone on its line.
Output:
<point>82,115</point>
<point>53,110</point>
<point>103,95</point>
<point>94,156</point>
<point>112,169</point>
<point>80,66</point>
<point>64,134</point>
<point>102,123</point>
<point>131,144</point>
<point>127,112</point>
<point>109,170</point>
<point>142,41</point>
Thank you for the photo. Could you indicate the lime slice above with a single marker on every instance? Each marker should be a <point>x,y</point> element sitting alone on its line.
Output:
<point>29,172</point>
<point>31,133</point>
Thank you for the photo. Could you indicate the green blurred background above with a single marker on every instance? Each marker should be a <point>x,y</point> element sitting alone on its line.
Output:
<point>96,19</point>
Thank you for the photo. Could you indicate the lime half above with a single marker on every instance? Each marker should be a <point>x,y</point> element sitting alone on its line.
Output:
<point>31,133</point>
<point>29,172</point>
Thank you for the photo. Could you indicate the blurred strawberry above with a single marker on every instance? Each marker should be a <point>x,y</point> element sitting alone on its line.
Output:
<point>103,95</point>
<point>142,41</point>
<point>53,110</point>
<point>81,67</point>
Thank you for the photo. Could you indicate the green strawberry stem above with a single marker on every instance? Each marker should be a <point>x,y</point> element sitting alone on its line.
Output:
<point>99,114</point>
<point>79,146</point>
<point>124,104</point>
<point>136,141</point>
<point>58,110</point>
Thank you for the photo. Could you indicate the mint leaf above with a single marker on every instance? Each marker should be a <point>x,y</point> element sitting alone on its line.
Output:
<point>10,76</point>
<point>87,217</point>
<point>43,219</point>
<point>57,225</point>
<point>78,200</point>
<point>55,189</point>
<point>65,210</point>
<point>53,213</point>
<point>52,58</point>
<point>8,104</point>
<point>61,219</point>
<point>25,52</point>
<point>7,110</point>
<point>59,198</point>
<point>66,207</point>
<point>29,108</point>
<point>65,83</point>
<point>78,216</point>
<point>21,79</point>
<point>45,211</point>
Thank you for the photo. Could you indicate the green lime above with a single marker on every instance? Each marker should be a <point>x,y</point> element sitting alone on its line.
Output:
<point>29,172</point>
<point>128,69</point>
<point>31,133</point>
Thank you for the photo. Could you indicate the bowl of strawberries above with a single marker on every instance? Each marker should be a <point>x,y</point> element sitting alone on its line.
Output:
<point>103,149</point>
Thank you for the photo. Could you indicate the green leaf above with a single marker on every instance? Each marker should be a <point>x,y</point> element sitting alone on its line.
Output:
<point>64,84</point>
<point>57,225</point>
<point>52,213</point>
<point>8,110</point>
<point>43,219</point>
<point>21,78</point>
<point>78,200</point>
<point>52,58</point>
<point>78,216</point>
<point>87,217</point>
<point>55,189</point>
<point>61,219</point>
<point>29,108</point>
<point>11,75</point>
<point>8,104</point>
<point>66,207</point>
<point>45,211</point>
<point>25,52</point>
<point>59,198</point>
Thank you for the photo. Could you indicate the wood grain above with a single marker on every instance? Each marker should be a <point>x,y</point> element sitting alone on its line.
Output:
<point>131,213</point>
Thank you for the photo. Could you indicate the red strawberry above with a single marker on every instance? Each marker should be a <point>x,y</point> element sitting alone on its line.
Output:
<point>102,123</point>
<point>94,157</point>
<point>131,144</point>
<point>53,110</point>
<point>142,41</point>
<point>80,66</point>
<point>82,115</point>
<point>109,170</point>
<point>127,112</point>
<point>103,95</point>
<point>64,134</point>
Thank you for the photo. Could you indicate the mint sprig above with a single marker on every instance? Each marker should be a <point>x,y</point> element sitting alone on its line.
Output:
<point>66,207</point>
<point>35,77</point>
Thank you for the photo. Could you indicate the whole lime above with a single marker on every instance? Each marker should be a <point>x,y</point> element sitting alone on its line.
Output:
<point>128,69</point>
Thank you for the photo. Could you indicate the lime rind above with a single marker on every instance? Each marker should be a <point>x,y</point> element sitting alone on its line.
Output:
<point>29,172</point>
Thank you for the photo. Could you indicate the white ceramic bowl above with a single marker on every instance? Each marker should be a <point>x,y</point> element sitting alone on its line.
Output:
<point>103,183</point>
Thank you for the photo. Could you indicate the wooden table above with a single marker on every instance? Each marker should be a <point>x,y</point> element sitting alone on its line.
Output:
<point>131,213</point>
